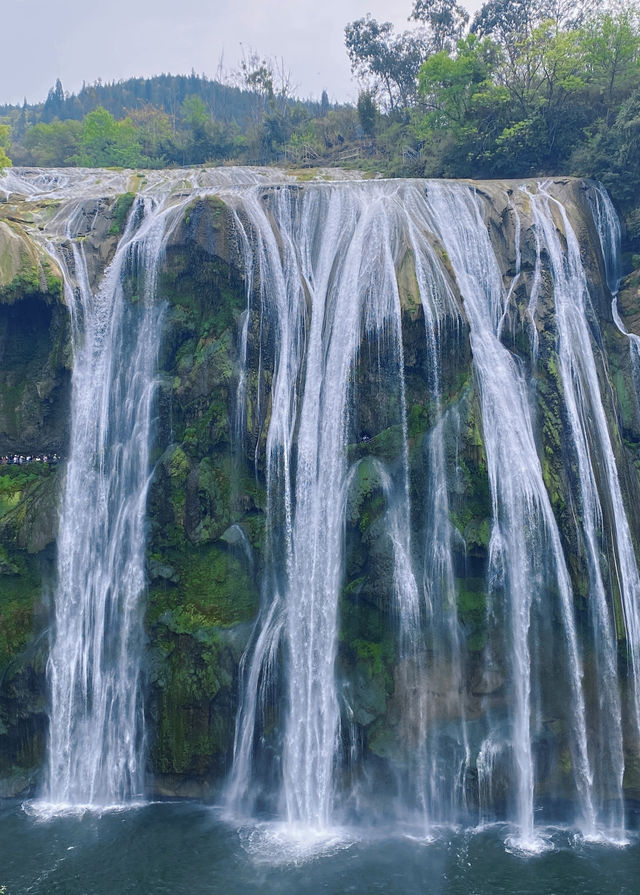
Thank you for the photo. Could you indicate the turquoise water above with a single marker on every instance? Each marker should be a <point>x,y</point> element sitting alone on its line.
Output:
<point>186,849</point>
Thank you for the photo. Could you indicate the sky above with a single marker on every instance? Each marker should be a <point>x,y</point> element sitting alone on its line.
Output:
<point>84,40</point>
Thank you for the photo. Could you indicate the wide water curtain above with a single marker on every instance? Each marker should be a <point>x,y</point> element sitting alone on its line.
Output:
<point>96,739</point>
<point>354,288</point>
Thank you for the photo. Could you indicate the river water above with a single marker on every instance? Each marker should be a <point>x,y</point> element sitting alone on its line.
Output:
<point>185,848</point>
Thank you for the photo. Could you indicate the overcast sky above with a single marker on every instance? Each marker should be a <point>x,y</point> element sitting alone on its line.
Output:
<point>83,40</point>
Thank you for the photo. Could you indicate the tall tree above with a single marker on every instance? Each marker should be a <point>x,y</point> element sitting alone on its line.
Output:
<point>446,22</point>
<point>54,103</point>
<point>385,62</point>
<point>5,135</point>
<point>105,141</point>
<point>509,22</point>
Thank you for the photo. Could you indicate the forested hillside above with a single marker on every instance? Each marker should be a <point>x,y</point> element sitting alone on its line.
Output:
<point>524,88</point>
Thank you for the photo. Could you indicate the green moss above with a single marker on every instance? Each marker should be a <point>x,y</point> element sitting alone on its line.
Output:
<point>26,282</point>
<point>373,656</point>
<point>13,482</point>
<point>54,282</point>
<point>417,420</point>
<point>189,674</point>
<point>20,589</point>
<point>191,667</point>
<point>120,212</point>
<point>197,276</point>
<point>472,608</point>
<point>387,445</point>
<point>374,509</point>
<point>214,590</point>
<point>366,635</point>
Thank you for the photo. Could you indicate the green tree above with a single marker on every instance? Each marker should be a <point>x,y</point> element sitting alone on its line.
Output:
<point>156,133</point>
<point>107,142</point>
<point>446,21</point>
<point>367,112</point>
<point>612,155</point>
<point>385,62</point>
<point>448,85</point>
<point>5,136</point>
<point>53,144</point>
<point>54,103</point>
<point>612,47</point>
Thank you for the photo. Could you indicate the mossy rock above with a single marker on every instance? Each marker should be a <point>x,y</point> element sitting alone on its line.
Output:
<point>199,271</point>
<point>214,589</point>
<point>24,268</point>
<point>193,685</point>
<point>20,594</point>
<point>119,213</point>
<point>35,380</point>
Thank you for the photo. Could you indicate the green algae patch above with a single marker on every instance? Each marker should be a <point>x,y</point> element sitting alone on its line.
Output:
<point>214,589</point>
<point>24,269</point>
<point>198,274</point>
<point>20,592</point>
<point>120,212</point>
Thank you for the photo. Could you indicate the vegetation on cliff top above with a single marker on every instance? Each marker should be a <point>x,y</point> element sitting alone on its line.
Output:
<point>524,88</point>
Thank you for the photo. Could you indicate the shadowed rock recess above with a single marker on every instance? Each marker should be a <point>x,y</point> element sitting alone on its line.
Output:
<point>394,508</point>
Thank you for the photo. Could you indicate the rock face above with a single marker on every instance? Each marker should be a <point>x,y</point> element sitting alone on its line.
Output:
<point>207,507</point>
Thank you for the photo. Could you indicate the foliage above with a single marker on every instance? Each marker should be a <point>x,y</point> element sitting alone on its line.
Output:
<point>120,212</point>
<point>56,143</point>
<point>446,21</point>
<point>168,120</point>
<point>533,89</point>
<point>367,112</point>
<point>387,62</point>
<point>106,142</point>
<point>5,131</point>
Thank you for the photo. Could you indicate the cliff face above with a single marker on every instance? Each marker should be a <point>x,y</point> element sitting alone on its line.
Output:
<point>207,507</point>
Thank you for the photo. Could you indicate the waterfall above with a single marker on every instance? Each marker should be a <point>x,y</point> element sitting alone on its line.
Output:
<point>370,290</point>
<point>314,282</point>
<point>325,264</point>
<point>596,462</point>
<point>96,733</point>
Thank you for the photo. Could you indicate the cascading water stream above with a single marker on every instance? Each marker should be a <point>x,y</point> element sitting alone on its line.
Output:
<point>310,252</point>
<point>440,311</point>
<point>609,234</point>
<point>596,461</point>
<point>337,251</point>
<point>313,283</point>
<point>523,528</point>
<point>96,735</point>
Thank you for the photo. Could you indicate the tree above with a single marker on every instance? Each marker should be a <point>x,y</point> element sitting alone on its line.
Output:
<point>5,135</point>
<point>612,155</point>
<point>54,103</point>
<point>367,112</point>
<point>612,44</point>
<point>462,109</point>
<point>385,62</point>
<point>509,22</point>
<point>54,144</point>
<point>156,133</point>
<point>106,142</point>
<point>446,21</point>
